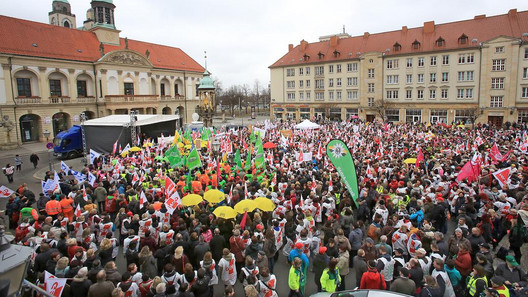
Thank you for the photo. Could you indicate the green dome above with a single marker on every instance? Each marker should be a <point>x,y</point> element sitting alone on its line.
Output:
<point>63,1</point>
<point>206,83</point>
<point>107,1</point>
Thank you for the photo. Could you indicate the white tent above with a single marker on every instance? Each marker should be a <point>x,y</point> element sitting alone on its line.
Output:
<point>306,124</point>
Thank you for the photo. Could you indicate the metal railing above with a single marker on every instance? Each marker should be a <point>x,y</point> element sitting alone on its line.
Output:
<point>28,100</point>
<point>59,100</point>
<point>29,286</point>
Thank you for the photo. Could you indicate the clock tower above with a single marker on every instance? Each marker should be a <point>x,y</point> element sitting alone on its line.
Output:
<point>100,19</point>
<point>61,15</point>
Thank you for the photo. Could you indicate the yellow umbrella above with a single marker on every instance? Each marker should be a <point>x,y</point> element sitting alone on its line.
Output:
<point>149,144</point>
<point>245,205</point>
<point>135,149</point>
<point>188,146</point>
<point>225,212</point>
<point>180,144</point>
<point>264,204</point>
<point>214,196</point>
<point>410,161</point>
<point>123,154</point>
<point>461,126</point>
<point>191,200</point>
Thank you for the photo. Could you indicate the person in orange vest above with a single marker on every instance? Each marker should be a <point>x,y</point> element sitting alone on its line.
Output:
<point>66,204</point>
<point>53,208</point>
<point>196,186</point>
<point>204,179</point>
<point>181,183</point>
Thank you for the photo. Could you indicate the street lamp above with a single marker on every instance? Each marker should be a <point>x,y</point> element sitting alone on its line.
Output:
<point>15,260</point>
<point>47,135</point>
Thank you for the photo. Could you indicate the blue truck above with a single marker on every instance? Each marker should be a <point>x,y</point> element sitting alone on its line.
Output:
<point>68,144</point>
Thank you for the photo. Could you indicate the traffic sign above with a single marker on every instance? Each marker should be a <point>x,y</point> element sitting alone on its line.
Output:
<point>49,145</point>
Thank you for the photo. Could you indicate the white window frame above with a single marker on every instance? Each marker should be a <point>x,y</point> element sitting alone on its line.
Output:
<point>498,65</point>
<point>420,79</point>
<point>409,62</point>
<point>497,83</point>
<point>338,82</point>
<point>432,61</point>
<point>408,94</point>
<point>432,94</point>
<point>445,76</point>
<point>370,73</point>
<point>496,101</point>
<point>420,94</point>
<point>409,79</point>
<point>432,77</point>
<point>444,94</point>
<point>445,60</point>
<point>421,62</point>
<point>524,92</point>
<point>338,68</point>
<point>370,87</point>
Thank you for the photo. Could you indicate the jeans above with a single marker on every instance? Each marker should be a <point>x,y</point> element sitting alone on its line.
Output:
<point>271,263</point>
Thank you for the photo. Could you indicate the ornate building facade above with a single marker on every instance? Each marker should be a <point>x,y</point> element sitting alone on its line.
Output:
<point>467,71</point>
<point>51,73</point>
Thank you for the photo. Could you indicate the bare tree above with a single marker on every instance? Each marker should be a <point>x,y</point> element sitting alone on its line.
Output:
<point>474,114</point>
<point>381,106</point>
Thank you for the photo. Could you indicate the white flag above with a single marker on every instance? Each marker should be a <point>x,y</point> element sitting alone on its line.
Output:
<point>65,168</point>
<point>93,155</point>
<point>79,176</point>
<point>91,179</point>
<point>126,149</point>
<point>5,192</point>
<point>54,285</point>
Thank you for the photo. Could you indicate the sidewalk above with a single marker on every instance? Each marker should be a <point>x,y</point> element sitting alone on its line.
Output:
<point>25,149</point>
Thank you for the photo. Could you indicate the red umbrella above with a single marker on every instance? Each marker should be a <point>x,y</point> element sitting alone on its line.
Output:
<point>269,145</point>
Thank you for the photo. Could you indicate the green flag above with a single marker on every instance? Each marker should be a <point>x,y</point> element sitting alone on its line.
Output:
<point>173,155</point>
<point>341,158</point>
<point>259,155</point>
<point>188,183</point>
<point>248,161</point>
<point>252,137</point>
<point>193,161</point>
<point>238,160</point>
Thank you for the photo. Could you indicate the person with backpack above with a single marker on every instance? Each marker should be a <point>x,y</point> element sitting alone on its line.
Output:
<point>249,273</point>
<point>331,277</point>
<point>200,287</point>
<point>372,279</point>
<point>209,265</point>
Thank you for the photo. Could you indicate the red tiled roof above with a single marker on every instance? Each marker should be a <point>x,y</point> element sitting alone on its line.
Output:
<point>18,37</point>
<point>513,24</point>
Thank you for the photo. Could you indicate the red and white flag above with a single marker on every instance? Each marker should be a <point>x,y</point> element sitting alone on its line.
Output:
<point>330,184</point>
<point>420,157</point>
<point>503,176</point>
<point>78,211</point>
<point>114,148</point>
<point>5,192</point>
<point>54,285</point>
<point>300,158</point>
<point>142,200</point>
<point>173,201</point>
<point>85,196</point>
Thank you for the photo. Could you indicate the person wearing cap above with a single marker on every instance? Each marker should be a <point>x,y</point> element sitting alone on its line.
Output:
<point>331,277</point>
<point>497,284</point>
<point>320,262</point>
<point>484,249</point>
<point>372,279</point>
<point>403,284</point>
<point>370,249</point>
<point>511,272</point>
<point>456,241</point>
<point>297,252</point>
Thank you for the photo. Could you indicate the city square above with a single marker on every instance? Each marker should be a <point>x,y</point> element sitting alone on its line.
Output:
<point>374,164</point>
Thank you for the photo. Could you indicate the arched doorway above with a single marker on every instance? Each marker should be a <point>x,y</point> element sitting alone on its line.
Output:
<point>180,111</point>
<point>30,127</point>
<point>61,122</point>
<point>89,114</point>
<point>166,110</point>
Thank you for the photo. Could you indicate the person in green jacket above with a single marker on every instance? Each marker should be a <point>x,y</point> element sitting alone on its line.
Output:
<point>330,279</point>
<point>296,279</point>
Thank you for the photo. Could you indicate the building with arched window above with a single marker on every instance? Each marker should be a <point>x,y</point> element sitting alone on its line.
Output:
<point>60,71</point>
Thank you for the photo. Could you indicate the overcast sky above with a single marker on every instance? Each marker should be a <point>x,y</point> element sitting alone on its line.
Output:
<point>243,37</point>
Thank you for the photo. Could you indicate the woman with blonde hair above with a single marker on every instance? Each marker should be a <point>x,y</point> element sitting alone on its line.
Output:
<point>62,267</point>
<point>209,265</point>
<point>147,263</point>
<point>105,251</point>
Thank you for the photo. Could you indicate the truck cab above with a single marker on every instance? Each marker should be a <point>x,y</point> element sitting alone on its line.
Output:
<point>68,144</point>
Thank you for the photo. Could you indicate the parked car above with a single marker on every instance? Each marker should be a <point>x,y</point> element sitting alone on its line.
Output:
<point>360,293</point>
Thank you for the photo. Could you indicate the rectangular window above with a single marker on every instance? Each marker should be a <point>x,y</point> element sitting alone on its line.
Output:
<point>409,62</point>
<point>522,116</point>
<point>421,62</point>
<point>461,75</point>
<point>319,83</point>
<point>524,92</point>
<point>526,53</point>
<point>162,89</point>
<point>497,83</point>
<point>470,75</point>
<point>308,96</point>
<point>470,58</point>
<point>433,61</point>
<point>445,76</point>
<point>338,68</point>
<point>55,88</point>
<point>330,82</point>
<point>370,102</point>
<point>319,96</point>
<point>462,59</point>
<point>499,49</point>
<point>290,84</point>
<point>176,89</point>
<point>444,94</point>
<point>129,89</point>
<point>370,73</point>
<point>525,72</point>
<point>460,93</point>
<point>432,77</point>
<point>420,78</point>
<point>420,94</point>
<point>307,70</point>
<point>438,115</point>
<point>81,88</point>
<point>330,68</point>
<point>392,79</point>
<point>352,95</point>
<point>354,81</point>
<point>349,81</point>
<point>339,95</point>
<point>319,70</point>
<point>338,82</point>
<point>392,64</point>
<point>291,95</point>
<point>301,84</point>
<point>432,94</point>
<point>301,71</point>
<point>290,72</point>
<point>498,65</point>
<point>496,101</point>
<point>445,60</point>
<point>301,96</point>
<point>408,94</point>
<point>24,87</point>
<point>352,67</point>
<point>393,115</point>
<point>392,94</point>
<point>308,83</point>
<point>413,115</point>
<point>469,93</point>
<point>409,78</point>
<point>370,88</point>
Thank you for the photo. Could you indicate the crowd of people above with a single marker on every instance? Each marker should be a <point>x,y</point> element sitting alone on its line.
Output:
<point>416,228</point>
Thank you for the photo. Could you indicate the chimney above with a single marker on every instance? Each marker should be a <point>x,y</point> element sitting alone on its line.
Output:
<point>512,12</point>
<point>366,35</point>
<point>290,47</point>
<point>429,27</point>
<point>404,29</point>
<point>304,44</point>
<point>480,17</point>
<point>333,41</point>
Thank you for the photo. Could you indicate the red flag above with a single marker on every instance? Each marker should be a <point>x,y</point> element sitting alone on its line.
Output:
<point>85,197</point>
<point>495,153</point>
<point>114,149</point>
<point>217,171</point>
<point>300,158</point>
<point>78,211</point>
<point>420,157</point>
<point>467,172</point>
<point>503,176</point>
<point>243,222</point>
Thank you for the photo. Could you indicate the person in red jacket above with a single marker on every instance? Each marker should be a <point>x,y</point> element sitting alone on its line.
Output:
<point>372,279</point>
<point>463,261</point>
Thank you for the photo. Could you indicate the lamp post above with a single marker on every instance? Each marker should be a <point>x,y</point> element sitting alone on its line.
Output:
<point>15,261</point>
<point>47,135</point>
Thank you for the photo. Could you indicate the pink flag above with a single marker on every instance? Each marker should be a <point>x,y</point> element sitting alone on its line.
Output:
<point>420,157</point>
<point>495,153</point>
<point>114,149</point>
<point>467,172</point>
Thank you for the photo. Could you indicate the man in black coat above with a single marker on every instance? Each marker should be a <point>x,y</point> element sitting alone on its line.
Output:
<point>217,245</point>
<point>41,260</point>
